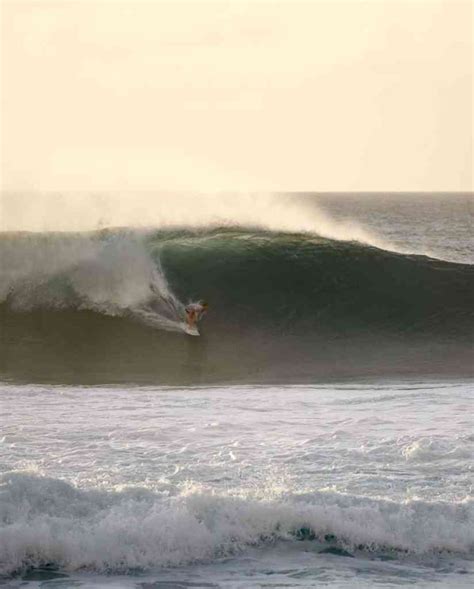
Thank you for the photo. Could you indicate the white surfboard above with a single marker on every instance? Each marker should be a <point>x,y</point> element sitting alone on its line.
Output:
<point>190,330</point>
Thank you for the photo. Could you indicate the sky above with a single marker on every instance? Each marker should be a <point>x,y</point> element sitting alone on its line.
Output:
<point>233,95</point>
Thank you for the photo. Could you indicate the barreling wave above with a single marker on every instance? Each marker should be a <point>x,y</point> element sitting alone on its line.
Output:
<point>46,521</point>
<point>280,303</point>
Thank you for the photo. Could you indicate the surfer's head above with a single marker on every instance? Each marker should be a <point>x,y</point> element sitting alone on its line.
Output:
<point>204,304</point>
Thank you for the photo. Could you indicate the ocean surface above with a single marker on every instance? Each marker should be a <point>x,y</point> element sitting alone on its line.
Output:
<point>319,432</point>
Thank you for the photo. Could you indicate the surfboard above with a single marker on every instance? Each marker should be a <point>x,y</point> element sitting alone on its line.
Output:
<point>190,330</point>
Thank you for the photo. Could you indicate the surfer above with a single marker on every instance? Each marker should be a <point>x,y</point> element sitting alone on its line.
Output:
<point>194,312</point>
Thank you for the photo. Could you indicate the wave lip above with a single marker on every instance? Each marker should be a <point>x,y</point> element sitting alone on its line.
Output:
<point>48,521</point>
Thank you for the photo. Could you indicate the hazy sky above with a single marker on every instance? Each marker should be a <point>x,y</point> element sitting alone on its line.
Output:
<point>321,95</point>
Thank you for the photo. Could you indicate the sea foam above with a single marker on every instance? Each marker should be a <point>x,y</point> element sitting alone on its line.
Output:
<point>48,521</point>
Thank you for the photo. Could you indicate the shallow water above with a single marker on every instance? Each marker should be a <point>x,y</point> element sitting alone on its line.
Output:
<point>239,486</point>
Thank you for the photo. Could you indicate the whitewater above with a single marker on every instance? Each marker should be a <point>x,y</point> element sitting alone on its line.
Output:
<point>318,433</point>
<point>237,486</point>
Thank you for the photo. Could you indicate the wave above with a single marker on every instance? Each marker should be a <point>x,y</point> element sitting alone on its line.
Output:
<point>47,521</point>
<point>283,278</point>
<point>278,301</point>
<point>275,276</point>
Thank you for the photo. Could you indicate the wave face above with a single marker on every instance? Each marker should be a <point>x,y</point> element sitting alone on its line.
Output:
<point>295,283</point>
<point>47,521</point>
<point>109,305</point>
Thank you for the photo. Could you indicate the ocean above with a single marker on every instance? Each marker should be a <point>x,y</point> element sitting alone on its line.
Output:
<point>319,432</point>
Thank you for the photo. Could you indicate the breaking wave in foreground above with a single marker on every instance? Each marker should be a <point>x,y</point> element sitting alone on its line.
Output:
<point>49,522</point>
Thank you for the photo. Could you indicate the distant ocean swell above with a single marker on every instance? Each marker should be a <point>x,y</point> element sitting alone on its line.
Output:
<point>47,521</point>
<point>289,291</point>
